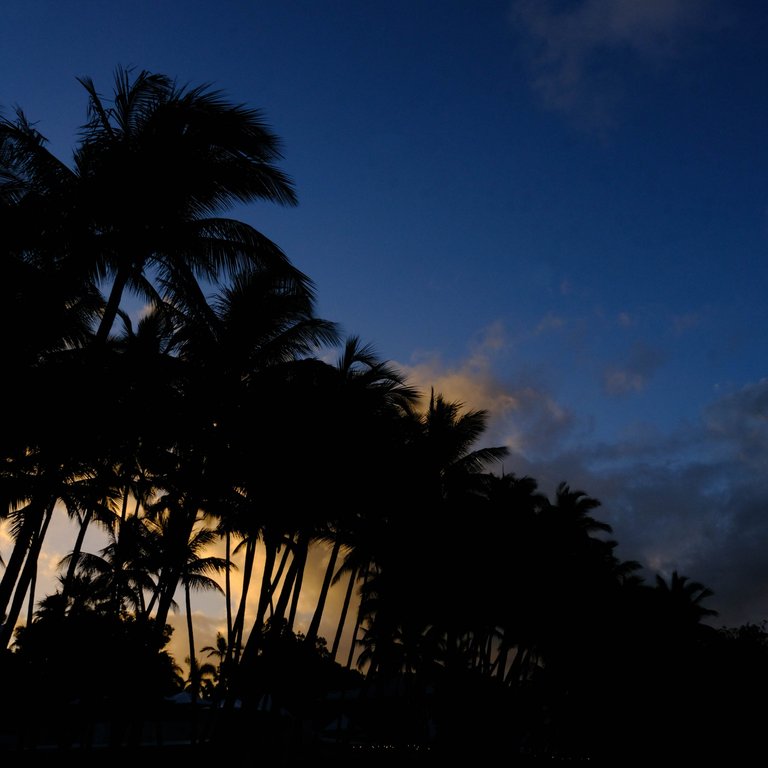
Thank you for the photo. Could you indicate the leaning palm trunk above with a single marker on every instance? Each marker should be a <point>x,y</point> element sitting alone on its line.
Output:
<point>343,614</point>
<point>235,639</point>
<point>358,623</point>
<point>314,626</point>
<point>27,576</point>
<point>74,558</point>
<point>301,562</point>
<point>278,613</point>
<point>32,519</point>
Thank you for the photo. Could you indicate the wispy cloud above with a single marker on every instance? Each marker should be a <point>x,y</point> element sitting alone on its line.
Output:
<point>686,322</point>
<point>471,381</point>
<point>633,375</point>
<point>523,414</point>
<point>571,47</point>
<point>741,420</point>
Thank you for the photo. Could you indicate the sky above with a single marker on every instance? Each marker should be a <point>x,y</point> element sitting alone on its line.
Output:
<point>555,211</point>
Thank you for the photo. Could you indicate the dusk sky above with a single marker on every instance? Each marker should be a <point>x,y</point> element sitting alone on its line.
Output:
<point>556,211</point>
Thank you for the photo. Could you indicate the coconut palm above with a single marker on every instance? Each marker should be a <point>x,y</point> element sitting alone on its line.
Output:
<point>682,599</point>
<point>140,209</point>
<point>366,395</point>
<point>243,355</point>
<point>403,597</point>
<point>195,576</point>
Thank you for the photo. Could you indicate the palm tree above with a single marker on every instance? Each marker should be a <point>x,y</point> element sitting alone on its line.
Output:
<point>140,209</point>
<point>154,169</point>
<point>245,353</point>
<point>403,600</point>
<point>682,599</point>
<point>121,573</point>
<point>366,394</point>
<point>194,576</point>
<point>219,651</point>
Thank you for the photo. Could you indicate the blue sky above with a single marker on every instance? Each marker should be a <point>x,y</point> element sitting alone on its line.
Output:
<point>557,211</point>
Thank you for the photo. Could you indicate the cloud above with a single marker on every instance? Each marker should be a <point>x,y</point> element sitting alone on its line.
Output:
<point>550,322</point>
<point>740,420</point>
<point>633,376</point>
<point>691,498</point>
<point>570,48</point>
<point>471,381</point>
<point>625,320</point>
<point>686,322</point>
<point>694,499</point>
<point>523,415</point>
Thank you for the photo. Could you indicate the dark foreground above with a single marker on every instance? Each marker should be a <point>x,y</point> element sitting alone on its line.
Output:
<point>315,756</point>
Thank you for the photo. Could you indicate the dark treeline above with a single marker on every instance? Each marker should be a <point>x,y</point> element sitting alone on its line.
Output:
<point>485,613</point>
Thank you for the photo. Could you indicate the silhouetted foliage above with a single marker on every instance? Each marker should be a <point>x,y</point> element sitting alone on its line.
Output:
<point>482,611</point>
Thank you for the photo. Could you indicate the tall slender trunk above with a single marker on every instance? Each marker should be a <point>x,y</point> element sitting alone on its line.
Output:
<point>276,579</point>
<point>314,625</point>
<point>194,672</point>
<point>31,601</point>
<point>358,622</point>
<point>228,582</point>
<point>33,515</point>
<point>302,552</point>
<point>112,305</point>
<point>74,558</point>
<point>265,591</point>
<point>27,574</point>
<point>286,590</point>
<point>343,614</point>
<point>234,642</point>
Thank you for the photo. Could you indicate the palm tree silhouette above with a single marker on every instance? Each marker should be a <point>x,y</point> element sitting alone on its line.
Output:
<point>182,155</point>
<point>140,209</point>
<point>366,391</point>
<point>682,598</point>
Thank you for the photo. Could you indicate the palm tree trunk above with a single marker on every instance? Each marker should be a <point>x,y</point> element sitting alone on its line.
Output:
<point>113,304</point>
<point>193,669</point>
<point>27,574</point>
<point>21,547</point>
<point>358,621</point>
<point>31,601</point>
<point>288,583</point>
<point>302,551</point>
<point>228,582</point>
<point>74,557</point>
<point>314,625</point>
<point>234,642</point>
<point>254,637</point>
<point>267,586</point>
<point>343,614</point>
<point>278,576</point>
